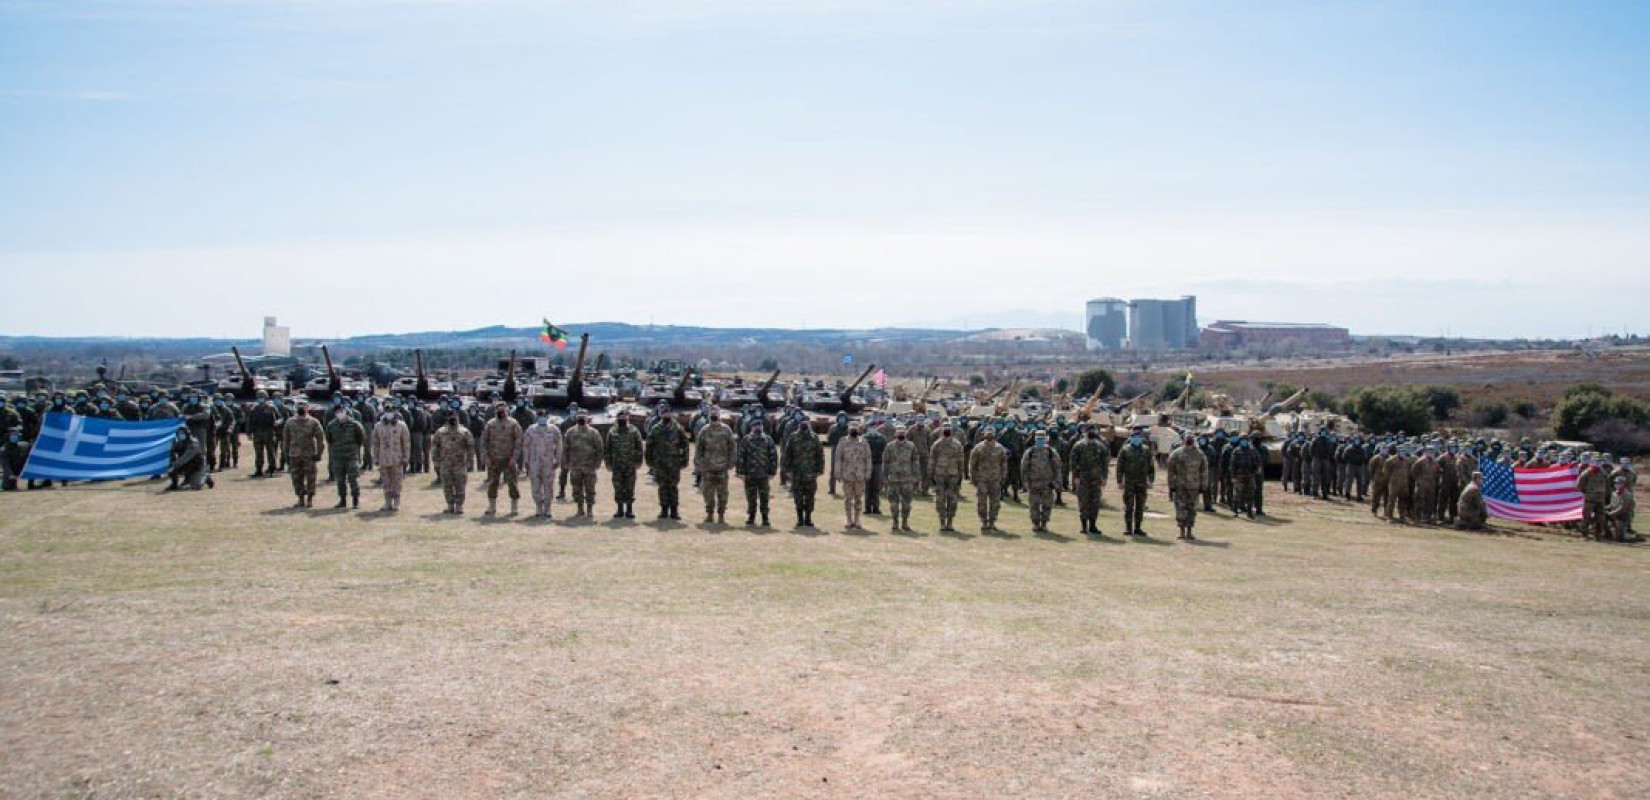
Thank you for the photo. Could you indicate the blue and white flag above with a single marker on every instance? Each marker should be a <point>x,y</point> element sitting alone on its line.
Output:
<point>847,359</point>
<point>75,448</point>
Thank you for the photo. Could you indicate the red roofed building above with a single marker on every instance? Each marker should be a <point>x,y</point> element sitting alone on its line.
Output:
<point>1231,334</point>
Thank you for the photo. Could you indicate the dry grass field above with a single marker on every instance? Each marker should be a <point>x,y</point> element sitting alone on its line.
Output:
<point>220,645</point>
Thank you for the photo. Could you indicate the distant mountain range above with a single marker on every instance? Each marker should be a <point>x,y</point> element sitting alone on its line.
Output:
<point>603,334</point>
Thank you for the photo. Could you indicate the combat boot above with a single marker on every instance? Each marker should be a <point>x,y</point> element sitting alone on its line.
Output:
<point>721,516</point>
<point>515,506</point>
<point>765,519</point>
<point>750,518</point>
<point>618,511</point>
<point>492,507</point>
<point>343,501</point>
<point>355,501</point>
<point>710,516</point>
<point>630,510</point>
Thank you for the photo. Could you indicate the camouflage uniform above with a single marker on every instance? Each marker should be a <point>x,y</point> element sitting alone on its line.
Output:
<point>624,456</point>
<point>712,458</point>
<point>1040,470</point>
<point>1136,470</point>
<point>853,470</point>
<point>500,443</point>
<point>346,439</point>
<point>304,442</point>
<point>1594,485</point>
<point>756,461</point>
<point>391,451</point>
<point>1449,487</point>
<point>873,487</point>
<point>901,469</point>
<point>228,435</point>
<point>453,449</point>
<point>541,451</point>
<point>1188,475</point>
<point>1245,465</point>
<point>1397,487</point>
<point>988,464</point>
<point>1471,514</point>
<point>1090,467</point>
<point>946,459</point>
<point>583,447</point>
<point>923,437</point>
<point>1423,476</point>
<point>804,460</point>
<point>1377,483</point>
<point>260,422</point>
<point>667,454</point>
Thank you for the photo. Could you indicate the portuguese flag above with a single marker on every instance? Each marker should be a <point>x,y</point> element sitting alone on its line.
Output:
<point>553,335</point>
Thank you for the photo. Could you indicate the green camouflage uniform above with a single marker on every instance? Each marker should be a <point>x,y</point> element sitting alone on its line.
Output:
<point>1090,467</point>
<point>945,463</point>
<point>755,462</point>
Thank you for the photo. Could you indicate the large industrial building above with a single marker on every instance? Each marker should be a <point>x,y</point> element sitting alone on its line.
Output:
<point>1163,324</point>
<point>1231,334</point>
<point>1107,323</point>
<point>277,338</point>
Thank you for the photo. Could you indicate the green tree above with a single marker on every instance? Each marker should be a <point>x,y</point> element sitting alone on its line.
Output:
<point>1391,409</point>
<point>1489,414</point>
<point>1526,409</point>
<point>1093,380</point>
<point>1577,414</point>
<point>1443,401</point>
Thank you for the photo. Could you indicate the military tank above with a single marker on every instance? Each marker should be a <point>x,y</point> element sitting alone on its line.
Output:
<point>420,385</point>
<point>556,391</point>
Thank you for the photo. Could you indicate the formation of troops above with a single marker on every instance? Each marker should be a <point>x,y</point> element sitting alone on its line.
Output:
<point>897,459</point>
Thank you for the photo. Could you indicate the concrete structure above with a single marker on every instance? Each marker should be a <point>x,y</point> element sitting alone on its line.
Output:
<point>1107,323</point>
<point>1163,324</point>
<point>1231,334</point>
<point>277,338</point>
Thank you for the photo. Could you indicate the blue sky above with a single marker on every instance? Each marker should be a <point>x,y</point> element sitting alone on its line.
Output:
<point>184,167</point>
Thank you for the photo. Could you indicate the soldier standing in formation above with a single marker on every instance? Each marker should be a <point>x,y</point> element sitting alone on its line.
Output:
<point>945,464</point>
<point>1423,477</point>
<point>988,464</point>
<point>838,432</point>
<point>901,469</point>
<point>1040,471</point>
<point>712,458</point>
<point>756,461</point>
<point>391,452</point>
<point>666,455</point>
<point>346,438</point>
<point>541,457</point>
<point>500,445</point>
<point>1594,484</point>
<point>1245,466</point>
<point>853,469</point>
<point>583,447</point>
<point>1136,472</point>
<point>1397,486</point>
<point>624,455</point>
<point>1090,467</point>
<point>304,442</point>
<point>804,460</point>
<point>452,450</point>
<point>1188,475</point>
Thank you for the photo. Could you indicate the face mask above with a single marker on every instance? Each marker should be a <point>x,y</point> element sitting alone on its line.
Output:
<point>14,438</point>
<point>340,415</point>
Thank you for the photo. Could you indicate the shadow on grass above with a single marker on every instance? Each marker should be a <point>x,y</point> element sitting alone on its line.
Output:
<point>911,534</point>
<point>285,511</point>
<point>1271,521</point>
<point>811,533</point>
<point>861,532</point>
<point>665,525</point>
<point>958,535</point>
<point>1000,534</point>
<point>1051,536</point>
<point>1150,540</point>
<point>1100,538</point>
<point>1209,543</point>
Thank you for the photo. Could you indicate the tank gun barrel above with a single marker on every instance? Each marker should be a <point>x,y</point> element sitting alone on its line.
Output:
<point>333,381</point>
<point>575,384</point>
<point>1287,404</point>
<point>241,364</point>
<point>680,392</point>
<point>848,392</point>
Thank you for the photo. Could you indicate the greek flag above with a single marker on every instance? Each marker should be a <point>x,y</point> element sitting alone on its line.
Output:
<point>75,448</point>
<point>847,359</point>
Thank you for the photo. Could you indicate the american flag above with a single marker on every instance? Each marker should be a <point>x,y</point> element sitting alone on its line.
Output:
<point>880,379</point>
<point>1530,494</point>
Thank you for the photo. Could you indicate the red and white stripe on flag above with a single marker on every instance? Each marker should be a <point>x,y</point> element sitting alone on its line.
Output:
<point>1545,494</point>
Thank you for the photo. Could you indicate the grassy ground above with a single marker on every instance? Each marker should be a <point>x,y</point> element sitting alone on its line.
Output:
<point>221,645</point>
